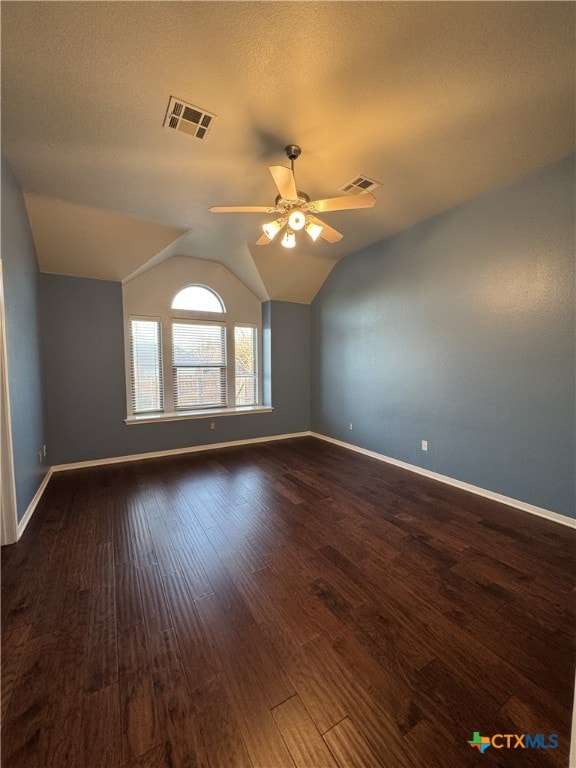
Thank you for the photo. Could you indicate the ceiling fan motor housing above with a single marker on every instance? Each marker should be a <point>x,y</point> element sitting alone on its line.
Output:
<point>303,199</point>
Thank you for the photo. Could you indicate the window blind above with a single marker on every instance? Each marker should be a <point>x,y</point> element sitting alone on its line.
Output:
<point>199,364</point>
<point>146,366</point>
<point>246,365</point>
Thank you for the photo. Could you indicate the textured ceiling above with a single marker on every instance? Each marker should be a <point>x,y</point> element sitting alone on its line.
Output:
<point>437,101</point>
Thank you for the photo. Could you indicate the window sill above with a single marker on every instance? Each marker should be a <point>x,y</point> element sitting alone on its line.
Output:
<point>209,413</point>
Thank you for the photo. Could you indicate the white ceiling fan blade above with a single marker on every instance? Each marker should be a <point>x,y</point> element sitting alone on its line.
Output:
<point>349,202</point>
<point>328,233</point>
<point>284,180</point>
<point>242,209</point>
<point>263,240</point>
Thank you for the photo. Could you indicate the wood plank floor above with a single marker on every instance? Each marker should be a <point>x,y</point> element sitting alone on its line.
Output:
<point>279,605</point>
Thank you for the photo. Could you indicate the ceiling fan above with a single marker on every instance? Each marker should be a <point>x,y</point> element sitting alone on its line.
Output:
<point>296,210</point>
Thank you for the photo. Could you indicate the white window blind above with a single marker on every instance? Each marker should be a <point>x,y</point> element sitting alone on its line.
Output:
<point>146,366</point>
<point>246,365</point>
<point>199,364</point>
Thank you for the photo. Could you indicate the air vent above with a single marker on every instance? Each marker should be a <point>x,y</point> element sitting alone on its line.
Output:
<point>360,184</point>
<point>181,116</point>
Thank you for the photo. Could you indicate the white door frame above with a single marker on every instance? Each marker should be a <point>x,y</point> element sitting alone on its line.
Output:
<point>9,528</point>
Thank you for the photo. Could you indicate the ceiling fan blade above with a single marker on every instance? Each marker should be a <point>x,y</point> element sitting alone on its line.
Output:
<point>284,180</point>
<point>328,233</point>
<point>263,240</point>
<point>242,209</point>
<point>349,202</point>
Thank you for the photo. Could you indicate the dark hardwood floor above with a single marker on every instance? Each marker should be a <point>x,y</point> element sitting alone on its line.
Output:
<point>284,604</point>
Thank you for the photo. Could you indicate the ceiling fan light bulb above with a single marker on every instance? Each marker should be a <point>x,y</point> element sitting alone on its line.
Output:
<point>296,220</point>
<point>272,228</point>
<point>313,230</point>
<point>289,239</point>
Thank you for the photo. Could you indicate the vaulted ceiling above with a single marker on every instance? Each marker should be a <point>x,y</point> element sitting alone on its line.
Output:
<point>439,102</point>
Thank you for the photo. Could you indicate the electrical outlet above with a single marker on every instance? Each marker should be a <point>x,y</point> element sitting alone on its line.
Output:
<point>212,425</point>
<point>40,456</point>
<point>351,426</point>
<point>424,445</point>
<point>44,450</point>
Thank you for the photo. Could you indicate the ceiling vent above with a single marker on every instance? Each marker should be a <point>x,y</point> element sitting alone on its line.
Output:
<point>187,118</point>
<point>360,184</point>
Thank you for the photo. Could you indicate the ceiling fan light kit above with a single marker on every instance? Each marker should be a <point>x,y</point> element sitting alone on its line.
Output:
<point>312,229</point>
<point>272,228</point>
<point>296,220</point>
<point>296,209</point>
<point>289,239</point>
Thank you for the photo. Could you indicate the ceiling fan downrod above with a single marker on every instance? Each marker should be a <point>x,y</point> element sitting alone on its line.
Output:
<point>293,152</point>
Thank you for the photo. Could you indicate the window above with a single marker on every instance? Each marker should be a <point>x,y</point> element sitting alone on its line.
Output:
<point>245,352</point>
<point>192,358</point>
<point>199,364</point>
<point>199,299</point>
<point>146,366</point>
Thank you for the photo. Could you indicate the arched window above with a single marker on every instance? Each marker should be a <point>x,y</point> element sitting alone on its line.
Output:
<point>194,355</point>
<point>198,298</point>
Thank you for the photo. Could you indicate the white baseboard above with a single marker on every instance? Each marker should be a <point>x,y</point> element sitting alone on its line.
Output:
<point>174,452</point>
<point>138,457</point>
<point>508,500</point>
<point>33,504</point>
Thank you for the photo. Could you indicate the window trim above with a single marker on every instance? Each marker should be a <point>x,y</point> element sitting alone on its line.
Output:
<point>208,413</point>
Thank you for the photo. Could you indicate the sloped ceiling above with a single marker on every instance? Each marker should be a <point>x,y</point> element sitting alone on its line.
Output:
<point>437,101</point>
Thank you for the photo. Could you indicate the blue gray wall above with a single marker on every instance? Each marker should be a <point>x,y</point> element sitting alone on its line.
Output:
<point>22,303</point>
<point>85,380</point>
<point>461,331</point>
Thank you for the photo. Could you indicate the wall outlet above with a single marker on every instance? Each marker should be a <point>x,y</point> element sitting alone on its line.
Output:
<point>212,425</point>
<point>424,445</point>
<point>44,450</point>
<point>40,457</point>
<point>351,426</point>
